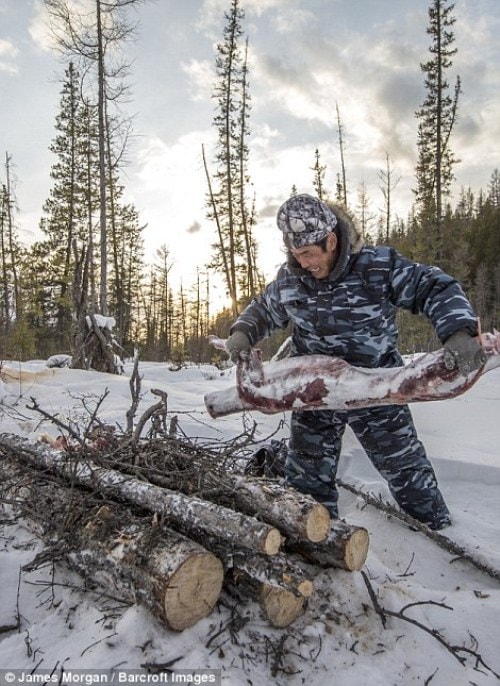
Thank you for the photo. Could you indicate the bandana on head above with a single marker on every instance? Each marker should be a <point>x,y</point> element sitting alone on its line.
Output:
<point>305,220</point>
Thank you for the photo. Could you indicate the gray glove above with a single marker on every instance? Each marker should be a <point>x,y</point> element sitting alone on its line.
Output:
<point>464,352</point>
<point>237,344</point>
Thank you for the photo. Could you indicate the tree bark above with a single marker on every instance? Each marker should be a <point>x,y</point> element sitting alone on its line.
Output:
<point>177,579</point>
<point>174,577</point>
<point>280,607</point>
<point>296,515</point>
<point>345,547</point>
<point>276,571</point>
<point>189,514</point>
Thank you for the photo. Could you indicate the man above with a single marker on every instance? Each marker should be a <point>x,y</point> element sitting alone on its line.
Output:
<point>342,299</point>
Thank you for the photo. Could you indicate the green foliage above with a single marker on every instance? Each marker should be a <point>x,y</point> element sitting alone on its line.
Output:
<point>38,286</point>
<point>21,341</point>
<point>436,120</point>
<point>233,213</point>
<point>319,176</point>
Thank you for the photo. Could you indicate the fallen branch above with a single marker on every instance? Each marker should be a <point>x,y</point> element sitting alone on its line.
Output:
<point>454,650</point>
<point>443,541</point>
<point>190,514</point>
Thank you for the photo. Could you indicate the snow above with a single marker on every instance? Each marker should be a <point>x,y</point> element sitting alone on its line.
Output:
<point>102,322</point>
<point>340,638</point>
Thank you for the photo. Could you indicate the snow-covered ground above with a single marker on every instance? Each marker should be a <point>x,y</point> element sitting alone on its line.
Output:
<point>340,638</point>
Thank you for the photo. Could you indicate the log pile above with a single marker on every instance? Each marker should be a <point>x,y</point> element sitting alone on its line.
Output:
<point>156,528</point>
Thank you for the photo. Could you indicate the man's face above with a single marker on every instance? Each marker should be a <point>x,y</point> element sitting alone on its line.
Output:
<point>315,260</point>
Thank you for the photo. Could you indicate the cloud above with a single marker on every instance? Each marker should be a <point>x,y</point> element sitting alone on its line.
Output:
<point>212,11</point>
<point>8,53</point>
<point>292,21</point>
<point>39,28</point>
<point>375,81</point>
<point>7,48</point>
<point>201,78</point>
<point>170,181</point>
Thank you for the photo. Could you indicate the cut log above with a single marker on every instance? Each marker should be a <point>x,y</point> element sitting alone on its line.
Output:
<point>346,547</point>
<point>280,607</point>
<point>189,514</point>
<point>295,514</point>
<point>277,571</point>
<point>322,382</point>
<point>175,578</point>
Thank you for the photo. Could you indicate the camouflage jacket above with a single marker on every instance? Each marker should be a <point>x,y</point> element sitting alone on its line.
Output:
<point>351,314</point>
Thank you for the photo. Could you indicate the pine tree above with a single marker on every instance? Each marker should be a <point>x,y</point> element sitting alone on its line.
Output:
<point>319,176</point>
<point>235,249</point>
<point>94,38</point>
<point>125,274</point>
<point>436,120</point>
<point>65,211</point>
<point>11,302</point>
<point>94,35</point>
<point>388,184</point>
<point>494,189</point>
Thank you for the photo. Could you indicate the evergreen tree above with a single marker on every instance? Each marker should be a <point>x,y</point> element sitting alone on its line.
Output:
<point>11,300</point>
<point>436,120</point>
<point>94,38</point>
<point>319,171</point>
<point>65,221</point>
<point>494,189</point>
<point>126,269</point>
<point>235,251</point>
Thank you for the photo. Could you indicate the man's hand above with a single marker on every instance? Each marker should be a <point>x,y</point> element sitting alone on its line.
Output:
<point>464,352</point>
<point>237,344</point>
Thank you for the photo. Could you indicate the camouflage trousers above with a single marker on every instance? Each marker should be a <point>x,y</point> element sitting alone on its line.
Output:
<point>389,438</point>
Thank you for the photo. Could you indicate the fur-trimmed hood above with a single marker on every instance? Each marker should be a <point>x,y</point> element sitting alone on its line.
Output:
<point>349,242</point>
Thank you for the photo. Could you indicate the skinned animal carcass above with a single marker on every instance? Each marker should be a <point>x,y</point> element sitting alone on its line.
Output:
<point>312,382</point>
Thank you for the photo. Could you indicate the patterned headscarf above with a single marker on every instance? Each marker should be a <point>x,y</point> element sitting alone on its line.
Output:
<point>305,220</point>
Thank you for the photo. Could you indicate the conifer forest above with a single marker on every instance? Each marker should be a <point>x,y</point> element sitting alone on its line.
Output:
<point>90,259</point>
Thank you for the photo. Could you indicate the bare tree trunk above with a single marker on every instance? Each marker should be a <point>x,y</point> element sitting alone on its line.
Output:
<point>103,297</point>
<point>226,268</point>
<point>388,185</point>
<point>174,577</point>
<point>342,160</point>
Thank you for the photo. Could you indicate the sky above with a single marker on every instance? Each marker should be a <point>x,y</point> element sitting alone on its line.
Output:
<point>305,57</point>
<point>339,638</point>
